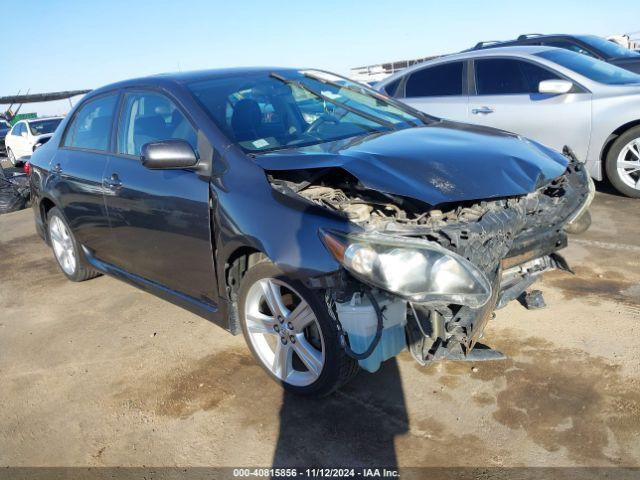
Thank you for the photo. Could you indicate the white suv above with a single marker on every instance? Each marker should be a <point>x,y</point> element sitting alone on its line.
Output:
<point>27,135</point>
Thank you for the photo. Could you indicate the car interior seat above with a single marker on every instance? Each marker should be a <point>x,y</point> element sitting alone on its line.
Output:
<point>246,120</point>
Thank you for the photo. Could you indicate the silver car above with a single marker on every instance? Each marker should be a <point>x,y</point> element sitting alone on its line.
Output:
<point>555,96</point>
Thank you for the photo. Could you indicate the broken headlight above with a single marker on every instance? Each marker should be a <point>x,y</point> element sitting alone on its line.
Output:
<point>417,270</point>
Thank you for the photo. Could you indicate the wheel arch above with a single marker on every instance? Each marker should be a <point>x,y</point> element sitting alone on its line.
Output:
<point>45,205</point>
<point>612,138</point>
<point>236,266</point>
<point>234,269</point>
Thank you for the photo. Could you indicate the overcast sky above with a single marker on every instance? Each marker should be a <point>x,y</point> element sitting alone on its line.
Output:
<point>65,44</point>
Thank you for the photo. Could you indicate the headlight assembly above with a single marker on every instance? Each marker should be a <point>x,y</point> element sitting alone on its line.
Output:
<point>417,270</point>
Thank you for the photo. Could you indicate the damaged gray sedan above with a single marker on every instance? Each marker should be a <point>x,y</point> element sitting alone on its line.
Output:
<point>331,225</point>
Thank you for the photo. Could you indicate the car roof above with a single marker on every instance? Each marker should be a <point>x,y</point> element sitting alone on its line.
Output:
<point>521,38</point>
<point>515,51</point>
<point>191,76</point>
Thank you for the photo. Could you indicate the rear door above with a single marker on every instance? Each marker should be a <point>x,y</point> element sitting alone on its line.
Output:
<point>159,218</point>
<point>438,90</point>
<point>507,98</point>
<point>78,168</point>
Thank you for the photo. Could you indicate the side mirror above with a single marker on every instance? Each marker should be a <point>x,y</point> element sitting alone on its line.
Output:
<point>168,154</point>
<point>557,87</point>
<point>23,133</point>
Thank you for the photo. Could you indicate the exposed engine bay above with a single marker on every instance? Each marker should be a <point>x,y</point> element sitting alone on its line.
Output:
<point>511,240</point>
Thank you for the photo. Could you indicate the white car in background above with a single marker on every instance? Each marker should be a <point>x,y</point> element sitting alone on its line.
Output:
<point>27,135</point>
<point>552,95</point>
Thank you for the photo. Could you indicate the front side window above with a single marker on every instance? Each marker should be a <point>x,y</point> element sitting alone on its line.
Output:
<point>272,111</point>
<point>91,126</point>
<point>151,117</point>
<point>534,74</point>
<point>499,76</point>
<point>42,127</point>
<point>438,81</point>
<point>504,76</point>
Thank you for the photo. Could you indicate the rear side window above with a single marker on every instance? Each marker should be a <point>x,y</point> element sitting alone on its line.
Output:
<point>502,76</point>
<point>151,117</point>
<point>438,81</point>
<point>91,126</point>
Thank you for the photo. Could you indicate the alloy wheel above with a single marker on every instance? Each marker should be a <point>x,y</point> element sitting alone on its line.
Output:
<point>284,332</point>
<point>62,244</point>
<point>628,164</point>
<point>11,157</point>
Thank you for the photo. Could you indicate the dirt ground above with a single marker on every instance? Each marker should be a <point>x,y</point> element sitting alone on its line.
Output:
<point>102,374</point>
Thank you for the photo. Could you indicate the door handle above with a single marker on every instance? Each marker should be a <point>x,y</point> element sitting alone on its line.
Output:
<point>113,183</point>
<point>482,111</point>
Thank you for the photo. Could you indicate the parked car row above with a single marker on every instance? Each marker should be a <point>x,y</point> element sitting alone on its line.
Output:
<point>555,96</point>
<point>27,135</point>
<point>4,130</point>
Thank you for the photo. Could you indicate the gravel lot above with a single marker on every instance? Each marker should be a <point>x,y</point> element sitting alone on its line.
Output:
<point>100,373</point>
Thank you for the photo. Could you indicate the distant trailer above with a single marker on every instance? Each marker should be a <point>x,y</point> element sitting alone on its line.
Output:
<point>380,71</point>
<point>626,41</point>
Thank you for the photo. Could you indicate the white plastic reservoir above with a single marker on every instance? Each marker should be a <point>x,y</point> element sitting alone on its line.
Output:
<point>359,321</point>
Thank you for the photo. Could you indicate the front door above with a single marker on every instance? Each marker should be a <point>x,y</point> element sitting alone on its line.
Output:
<point>508,98</point>
<point>159,218</point>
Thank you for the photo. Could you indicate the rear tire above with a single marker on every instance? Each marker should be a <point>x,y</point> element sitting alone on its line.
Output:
<point>66,250</point>
<point>268,333</point>
<point>623,163</point>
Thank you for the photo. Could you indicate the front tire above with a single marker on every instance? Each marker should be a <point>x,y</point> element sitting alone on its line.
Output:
<point>623,163</point>
<point>66,249</point>
<point>290,332</point>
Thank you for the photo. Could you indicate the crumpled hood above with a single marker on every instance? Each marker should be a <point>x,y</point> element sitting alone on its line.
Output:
<point>439,163</point>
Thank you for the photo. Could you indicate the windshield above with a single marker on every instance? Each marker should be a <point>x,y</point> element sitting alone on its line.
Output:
<point>266,112</point>
<point>594,69</point>
<point>609,49</point>
<point>44,126</point>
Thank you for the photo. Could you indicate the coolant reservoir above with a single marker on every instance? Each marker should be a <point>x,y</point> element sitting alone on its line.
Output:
<point>359,321</point>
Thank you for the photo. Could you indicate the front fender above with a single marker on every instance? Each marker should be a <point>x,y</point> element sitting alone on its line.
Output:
<point>249,213</point>
<point>609,114</point>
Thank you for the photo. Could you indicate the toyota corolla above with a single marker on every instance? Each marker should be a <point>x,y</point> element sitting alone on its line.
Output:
<point>331,225</point>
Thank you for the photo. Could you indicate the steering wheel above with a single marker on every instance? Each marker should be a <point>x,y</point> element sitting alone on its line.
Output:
<point>321,120</point>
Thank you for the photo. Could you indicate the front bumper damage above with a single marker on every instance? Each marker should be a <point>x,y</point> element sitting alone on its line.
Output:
<point>513,241</point>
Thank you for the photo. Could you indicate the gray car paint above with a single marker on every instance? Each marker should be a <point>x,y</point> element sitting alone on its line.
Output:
<point>439,163</point>
<point>585,121</point>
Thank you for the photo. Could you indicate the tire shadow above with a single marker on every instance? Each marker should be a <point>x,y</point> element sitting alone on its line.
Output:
<point>354,427</point>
